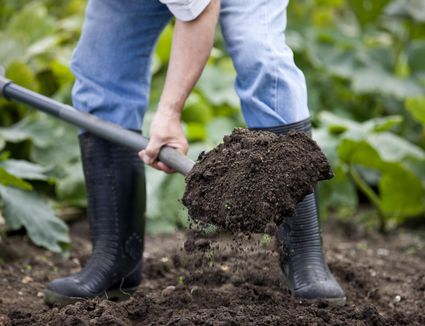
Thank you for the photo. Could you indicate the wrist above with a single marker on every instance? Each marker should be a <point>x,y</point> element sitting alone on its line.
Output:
<point>170,109</point>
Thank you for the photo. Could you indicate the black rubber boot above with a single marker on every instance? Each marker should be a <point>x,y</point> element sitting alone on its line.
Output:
<point>115,183</point>
<point>304,270</point>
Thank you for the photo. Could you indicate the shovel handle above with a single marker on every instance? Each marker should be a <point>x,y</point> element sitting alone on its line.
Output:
<point>104,129</point>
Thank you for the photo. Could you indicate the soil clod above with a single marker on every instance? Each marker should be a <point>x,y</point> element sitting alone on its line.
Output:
<point>254,178</point>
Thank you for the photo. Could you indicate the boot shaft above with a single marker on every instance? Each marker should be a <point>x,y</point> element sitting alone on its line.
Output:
<point>115,182</point>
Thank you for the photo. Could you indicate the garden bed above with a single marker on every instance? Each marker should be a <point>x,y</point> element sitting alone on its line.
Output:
<point>383,277</point>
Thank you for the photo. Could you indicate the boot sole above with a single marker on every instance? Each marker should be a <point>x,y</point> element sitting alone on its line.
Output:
<point>52,298</point>
<point>331,301</point>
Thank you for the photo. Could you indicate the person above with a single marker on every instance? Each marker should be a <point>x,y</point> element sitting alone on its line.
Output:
<point>112,65</point>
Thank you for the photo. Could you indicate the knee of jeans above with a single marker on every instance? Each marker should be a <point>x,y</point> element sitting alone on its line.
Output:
<point>253,56</point>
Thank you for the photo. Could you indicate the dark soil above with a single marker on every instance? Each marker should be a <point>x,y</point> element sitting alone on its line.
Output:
<point>216,282</point>
<point>254,178</point>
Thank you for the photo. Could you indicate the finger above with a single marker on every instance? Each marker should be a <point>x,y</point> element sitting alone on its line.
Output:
<point>144,158</point>
<point>183,150</point>
<point>162,167</point>
<point>157,165</point>
<point>142,154</point>
<point>182,147</point>
<point>150,154</point>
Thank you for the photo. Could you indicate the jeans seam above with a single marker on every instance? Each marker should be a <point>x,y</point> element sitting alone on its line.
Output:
<point>272,57</point>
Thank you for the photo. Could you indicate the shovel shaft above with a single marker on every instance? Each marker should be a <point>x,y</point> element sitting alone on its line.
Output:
<point>88,122</point>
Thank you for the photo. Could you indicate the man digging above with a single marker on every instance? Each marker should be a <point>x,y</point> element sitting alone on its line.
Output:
<point>112,67</point>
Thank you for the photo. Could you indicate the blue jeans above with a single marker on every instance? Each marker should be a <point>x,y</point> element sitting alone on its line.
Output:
<point>113,59</point>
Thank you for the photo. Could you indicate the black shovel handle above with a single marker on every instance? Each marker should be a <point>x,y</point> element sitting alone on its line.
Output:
<point>86,121</point>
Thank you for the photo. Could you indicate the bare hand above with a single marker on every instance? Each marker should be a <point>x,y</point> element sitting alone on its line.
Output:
<point>165,130</point>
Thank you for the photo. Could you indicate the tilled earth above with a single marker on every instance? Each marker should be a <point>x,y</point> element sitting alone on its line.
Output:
<point>219,281</point>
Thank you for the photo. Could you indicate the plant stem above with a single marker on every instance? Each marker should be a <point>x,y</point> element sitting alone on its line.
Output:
<point>371,195</point>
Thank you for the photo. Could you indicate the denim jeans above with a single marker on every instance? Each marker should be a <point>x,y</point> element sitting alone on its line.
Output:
<point>112,61</point>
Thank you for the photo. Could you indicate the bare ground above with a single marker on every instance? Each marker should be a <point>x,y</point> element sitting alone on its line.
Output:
<point>235,283</point>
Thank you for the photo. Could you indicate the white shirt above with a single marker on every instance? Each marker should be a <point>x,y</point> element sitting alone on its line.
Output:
<point>186,10</point>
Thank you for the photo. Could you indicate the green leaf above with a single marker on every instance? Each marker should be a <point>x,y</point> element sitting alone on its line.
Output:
<point>416,107</point>
<point>219,127</point>
<point>338,193</point>
<point>163,49</point>
<point>8,179</point>
<point>71,188</point>
<point>378,150</point>
<point>58,153</point>
<point>62,72</point>
<point>216,84</point>
<point>359,152</point>
<point>47,150</point>
<point>384,123</point>
<point>375,80</point>
<point>41,46</point>
<point>164,210</point>
<point>42,130</point>
<point>31,22</point>
<point>197,110</point>
<point>15,133</point>
<point>402,194</point>
<point>10,49</point>
<point>392,148</point>
<point>416,55</point>
<point>171,192</point>
<point>24,169</point>
<point>417,167</point>
<point>338,125</point>
<point>328,142</point>
<point>414,9</point>
<point>367,11</point>
<point>195,131</point>
<point>27,209</point>
<point>22,75</point>
<point>401,189</point>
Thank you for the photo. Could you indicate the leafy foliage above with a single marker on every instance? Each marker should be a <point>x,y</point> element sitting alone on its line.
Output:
<point>378,162</point>
<point>362,60</point>
<point>36,47</point>
<point>23,208</point>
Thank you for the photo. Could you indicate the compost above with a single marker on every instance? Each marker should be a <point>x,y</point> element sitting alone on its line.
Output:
<point>215,283</point>
<point>254,178</point>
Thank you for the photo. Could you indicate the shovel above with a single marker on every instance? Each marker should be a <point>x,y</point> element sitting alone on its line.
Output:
<point>107,130</point>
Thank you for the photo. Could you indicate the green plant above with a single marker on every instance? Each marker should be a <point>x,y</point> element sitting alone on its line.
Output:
<point>383,166</point>
<point>35,45</point>
<point>363,62</point>
<point>23,207</point>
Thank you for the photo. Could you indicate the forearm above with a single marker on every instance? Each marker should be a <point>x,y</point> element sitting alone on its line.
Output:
<point>191,47</point>
<point>192,44</point>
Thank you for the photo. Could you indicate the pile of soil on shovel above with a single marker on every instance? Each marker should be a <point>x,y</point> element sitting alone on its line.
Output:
<point>220,284</point>
<point>253,179</point>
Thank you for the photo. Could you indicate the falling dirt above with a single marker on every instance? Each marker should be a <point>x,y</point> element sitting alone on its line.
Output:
<point>219,283</point>
<point>254,178</point>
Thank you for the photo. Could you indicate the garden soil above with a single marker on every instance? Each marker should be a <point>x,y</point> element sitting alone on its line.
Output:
<point>190,280</point>
<point>253,179</point>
